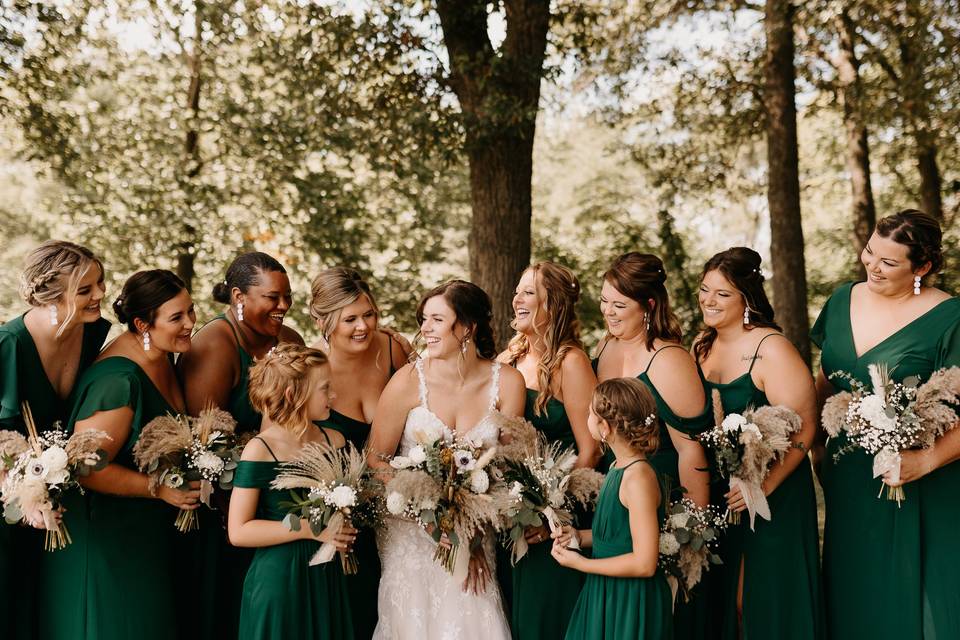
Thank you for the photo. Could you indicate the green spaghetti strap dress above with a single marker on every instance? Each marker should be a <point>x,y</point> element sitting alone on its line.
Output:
<point>22,378</point>
<point>890,572</point>
<point>620,608</point>
<point>238,402</point>
<point>544,593</point>
<point>118,580</point>
<point>283,596</point>
<point>782,595</point>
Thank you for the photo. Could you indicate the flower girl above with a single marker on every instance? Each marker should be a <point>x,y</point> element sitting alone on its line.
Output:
<point>626,595</point>
<point>283,596</point>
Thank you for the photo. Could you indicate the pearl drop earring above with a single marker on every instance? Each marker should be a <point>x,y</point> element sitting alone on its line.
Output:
<point>463,346</point>
<point>52,310</point>
<point>146,341</point>
<point>916,285</point>
<point>240,311</point>
<point>746,315</point>
<point>646,317</point>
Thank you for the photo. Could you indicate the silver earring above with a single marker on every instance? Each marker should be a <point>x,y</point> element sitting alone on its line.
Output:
<point>646,317</point>
<point>146,341</point>
<point>240,311</point>
<point>916,285</point>
<point>463,346</point>
<point>52,310</point>
<point>746,315</point>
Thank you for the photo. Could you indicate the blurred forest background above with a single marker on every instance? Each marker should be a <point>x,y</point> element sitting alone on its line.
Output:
<point>421,140</point>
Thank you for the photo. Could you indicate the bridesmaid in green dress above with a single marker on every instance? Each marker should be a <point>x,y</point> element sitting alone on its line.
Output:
<point>118,579</point>
<point>216,371</point>
<point>61,333</point>
<point>626,594</point>
<point>283,596</point>
<point>769,583</point>
<point>548,352</point>
<point>363,357</point>
<point>643,341</point>
<point>899,577</point>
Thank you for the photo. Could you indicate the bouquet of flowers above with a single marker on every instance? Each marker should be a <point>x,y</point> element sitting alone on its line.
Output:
<point>443,483</point>
<point>338,492</point>
<point>688,541</point>
<point>889,417</point>
<point>176,450</point>
<point>543,485</point>
<point>745,446</point>
<point>36,471</point>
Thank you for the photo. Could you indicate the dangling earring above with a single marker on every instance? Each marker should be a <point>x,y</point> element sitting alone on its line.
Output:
<point>463,346</point>
<point>52,310</point>
<point>746,315</point>
<point>646,318</point>
<point>146,341</point>
<point>916,285</point>
<point>240,312</point>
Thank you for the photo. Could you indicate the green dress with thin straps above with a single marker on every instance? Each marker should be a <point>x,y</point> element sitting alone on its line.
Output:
<point>782,596</point>
<point>22,378</point>
<point>544,593</point>
<point>620,608</point>
<point>119,578</point>
<point>238,402</point>
<point>283,596</point>
<point>890,572</point>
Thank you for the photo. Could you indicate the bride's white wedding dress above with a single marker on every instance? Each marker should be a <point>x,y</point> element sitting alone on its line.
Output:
<point>419,599</point>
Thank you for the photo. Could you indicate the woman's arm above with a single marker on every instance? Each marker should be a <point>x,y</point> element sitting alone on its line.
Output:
<point>395,402</point>
<point>513,392</point>
<point>209,370</point>
<point>577,383</point>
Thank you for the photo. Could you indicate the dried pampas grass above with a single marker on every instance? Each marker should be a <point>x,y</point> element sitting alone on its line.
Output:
<point>834,416</point>
<point>522,438</point>
<point>163,436</point>
<point>937,402</point>
<point>83,447</point>
<point>583,485</point>
<point>319,465</point>
<point>777,424</point>
<point>12,444</point>
<point>415,486</point>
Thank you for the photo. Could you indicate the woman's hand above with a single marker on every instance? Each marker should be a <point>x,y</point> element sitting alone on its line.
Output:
<point>735,501</point>
<point>566,557</point>
<point>914,464</point>
<point>564,535</point>
<point>341,537</point>
<point>186,499</point>
<point>536,535</point>
<point>444,540</point>
<point>478,572</point>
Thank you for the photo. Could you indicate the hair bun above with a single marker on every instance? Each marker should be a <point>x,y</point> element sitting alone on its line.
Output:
<point>119,311</point>
<point>221,292</point>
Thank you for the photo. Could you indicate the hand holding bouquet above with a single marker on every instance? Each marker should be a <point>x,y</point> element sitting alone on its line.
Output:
<point>688,541</point>
<point>36,471</point>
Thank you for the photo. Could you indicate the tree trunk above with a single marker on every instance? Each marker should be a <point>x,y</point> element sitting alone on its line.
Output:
<point>858,149</point>
<point>186,249</point>
<point>499,94</point>
<point>930,183</point>
<point>783,190</point>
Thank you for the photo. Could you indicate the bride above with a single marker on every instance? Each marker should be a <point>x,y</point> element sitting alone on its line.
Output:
<point>459,388</point>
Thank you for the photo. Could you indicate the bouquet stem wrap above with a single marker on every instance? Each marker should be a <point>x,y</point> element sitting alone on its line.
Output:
<point>753,497</point>
<point>556,524</point>
<point>888,460</point>
<point>327,550</point>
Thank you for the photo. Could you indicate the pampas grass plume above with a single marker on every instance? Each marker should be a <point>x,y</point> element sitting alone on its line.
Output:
<point>163,436</point>
<point>12,443</point>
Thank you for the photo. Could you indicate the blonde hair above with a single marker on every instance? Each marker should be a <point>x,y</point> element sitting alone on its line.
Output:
<point>53,271</point>
<point>332,290</point>
<point>284,371</point>
<point>627,405</point>
<point>562,333</point>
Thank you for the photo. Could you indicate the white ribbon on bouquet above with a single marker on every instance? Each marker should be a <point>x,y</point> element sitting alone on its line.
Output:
<point>754,499</point>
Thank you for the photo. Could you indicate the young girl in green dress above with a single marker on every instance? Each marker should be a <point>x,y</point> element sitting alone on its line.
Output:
<point>626,595</point>
<point>283,596</point>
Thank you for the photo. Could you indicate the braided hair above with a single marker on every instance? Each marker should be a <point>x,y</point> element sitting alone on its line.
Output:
<point>628,407</point>
<point>53,272</point>
<point>285,368</point>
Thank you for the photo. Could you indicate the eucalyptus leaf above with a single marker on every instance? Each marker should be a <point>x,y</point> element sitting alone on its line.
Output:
<point>291,522</point>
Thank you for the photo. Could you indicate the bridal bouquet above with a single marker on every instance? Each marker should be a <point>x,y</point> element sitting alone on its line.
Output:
<point>338,490</point>
<point>443,484</point>
<point>176,450</point>
<point>36,471</point>
<point>745,446</point>
<point>543,485</point>
<point>887,418</point>
<point>688,542</point>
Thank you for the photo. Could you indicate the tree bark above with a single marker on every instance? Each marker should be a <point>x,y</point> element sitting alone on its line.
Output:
<point>783,189</point>
<point>499,94</point>
<point>186,249</point>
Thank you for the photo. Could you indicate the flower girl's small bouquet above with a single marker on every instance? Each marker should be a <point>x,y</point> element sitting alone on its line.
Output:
<point>889,417</point>
<point>36,471</point>
<point>443,483</point>
<point>176,450</point>
<point>745,446</point>
<point>688,542</point>
<point>338,492</point>
<point>542,485</point>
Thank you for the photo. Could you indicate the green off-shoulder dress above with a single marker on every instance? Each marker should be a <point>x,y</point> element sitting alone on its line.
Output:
<point>118,580</point>
<point>544,593</point>
<point>620,608</point>
<point>22,378</point>
<point>890,572</point>
<point>782,596</point>
<point>283,596</point>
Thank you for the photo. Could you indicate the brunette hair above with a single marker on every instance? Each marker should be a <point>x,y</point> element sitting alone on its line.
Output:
<point>472,307</point>
<point>627,405</point>
<point>332,290</point>
<point>285,368</point>
<point>53,271</point>
<point>641,277</point>
<point>143,293</point>
<point>741,267</point>
<point>244,272</point>
<point>920,233</point>
<point>561,291</point>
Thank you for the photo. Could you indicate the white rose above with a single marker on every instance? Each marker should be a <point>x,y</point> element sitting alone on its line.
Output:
<point>668,544</point>
<point>54,459</point>
<point>873,410</point>
<point>209,462</point>
<point>400,462</point>
<point>396,503</point>
<point>733,422</point>
<point>479,481</point>
<point>417,455</point>
<point>751,428</point>
<point>343,496</point>
<point>679,520</point>
<point>516,490</point>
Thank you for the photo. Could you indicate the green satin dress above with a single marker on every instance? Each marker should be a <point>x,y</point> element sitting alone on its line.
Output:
<point>283,596</point>
<point>121,578</point>
<point>543,593</point>
<point>889,572</point>
<point>22,378</point>
<point>620,608</point>
<point>782,595</point>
